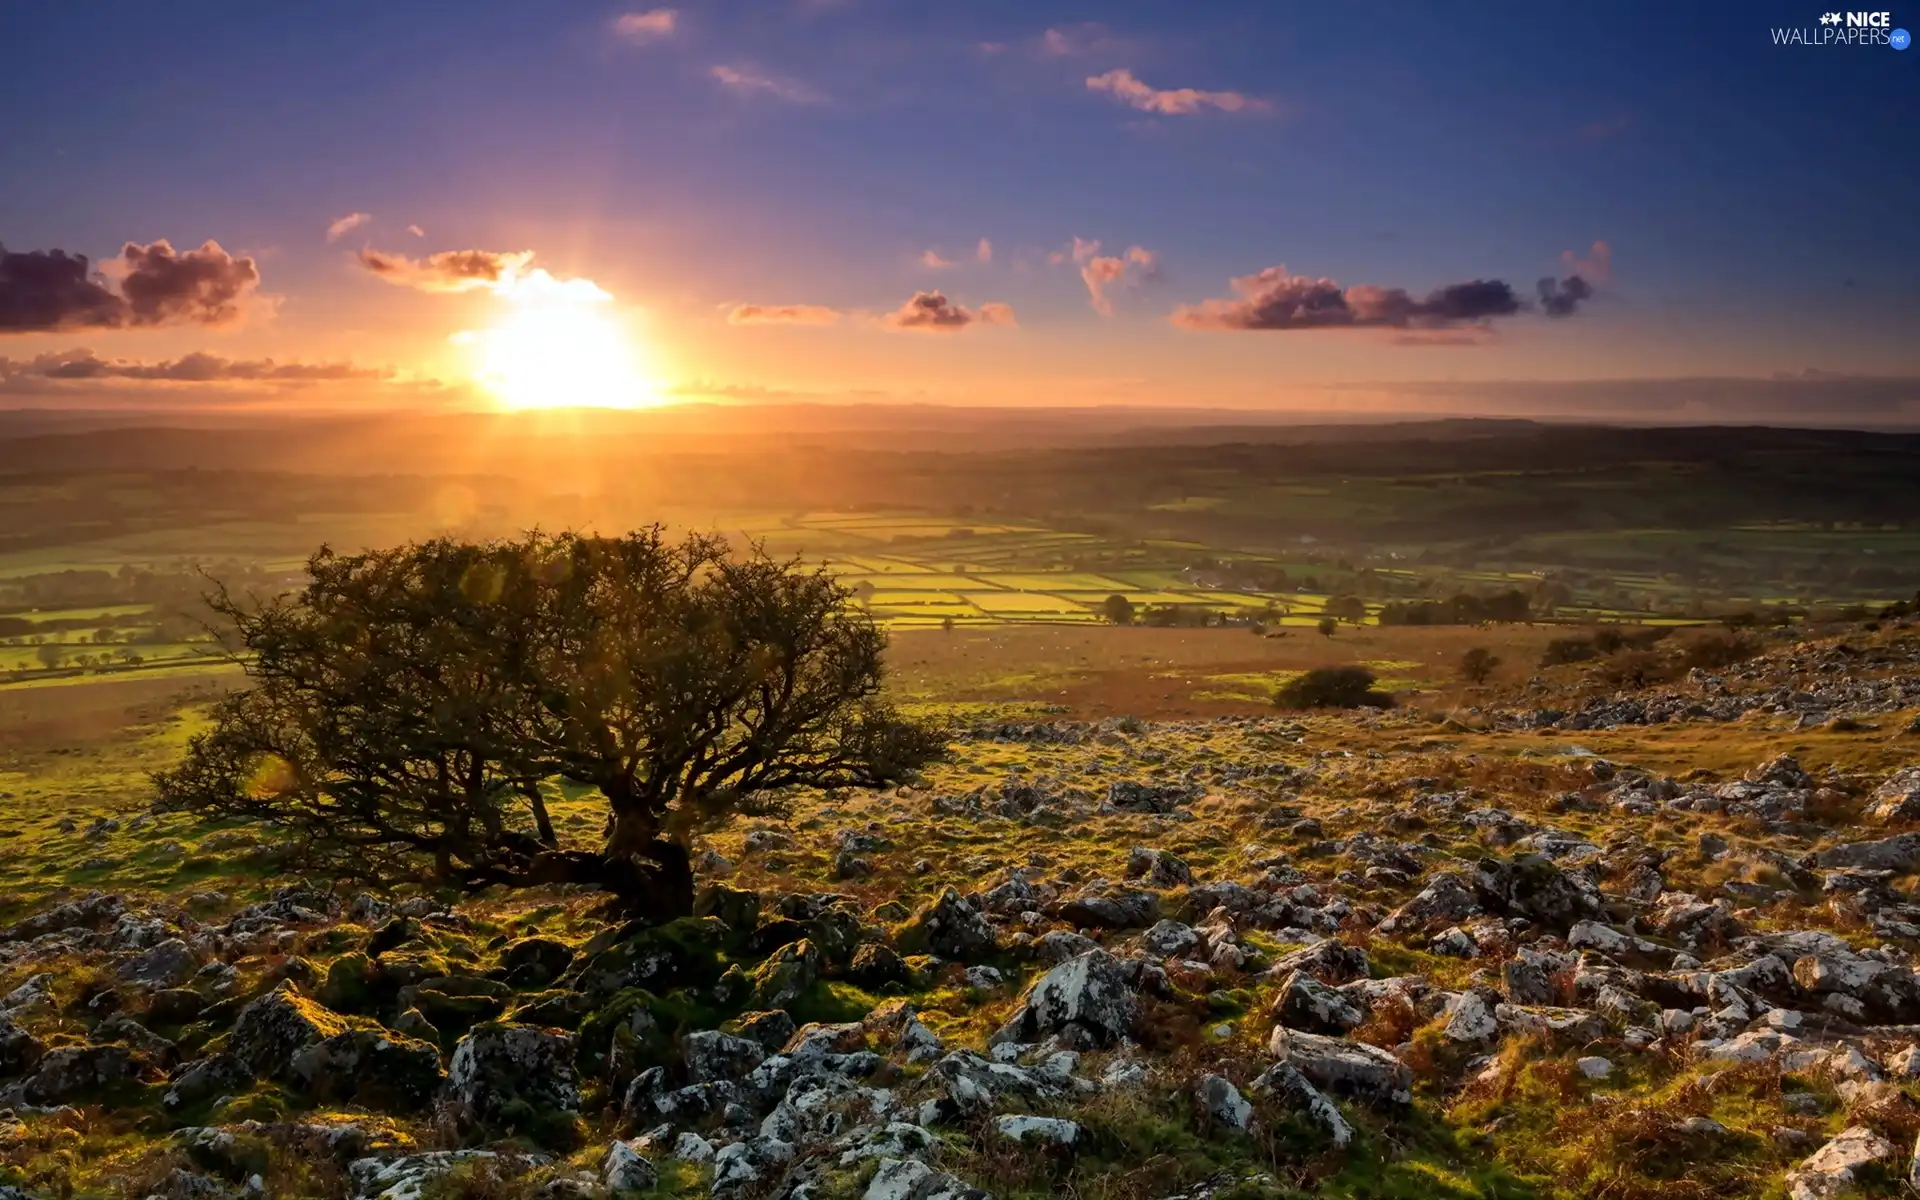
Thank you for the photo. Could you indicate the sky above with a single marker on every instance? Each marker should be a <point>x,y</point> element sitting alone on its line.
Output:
<point>1251,205</point>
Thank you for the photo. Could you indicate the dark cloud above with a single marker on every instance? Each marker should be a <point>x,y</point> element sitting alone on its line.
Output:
<point>50,290</point>
<point>449,270</point>
<point>1563,297</point>
<point>932,312</point>
<point>48,372</point>
<point>1276,300</point>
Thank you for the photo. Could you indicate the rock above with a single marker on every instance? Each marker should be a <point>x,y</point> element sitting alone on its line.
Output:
<point>712,1055</point>
<point>1355,1069</point>
<point>411,1177</point>
<point>19,1049</point>
<point>740,1166</point>
<point>1223,1103</point>
<point>1303,1002</point>
<point>1899,853</point>
<point>969,1083</point>
<point>1130,796</point>
<point>786,976</point>
<point>1168,939</point>
<point>77,1072</point>
<point>535,962</point>
<point>208,1078</point>
<point>624,1169</point>
<point>910,1179</point>
<point>1446,900</point>
<point>1471,1020</point>
<point>950,927</point>
<point>1048,1131</point>
<point>1112,909</point>
<point>270,1030</point>
<point>877,966</point>
<point>1285,1083</point>
<point>1085,1000</point>
<point>1593,1066</point>
<point>1157,868</point>
<point>1058,945</point>
<point>771,1030</point>
<point>1328,961</point>
<point>1833,1169</point>
<point>510,1074</point>
<point>1898,798</point>
<point>166,965</point>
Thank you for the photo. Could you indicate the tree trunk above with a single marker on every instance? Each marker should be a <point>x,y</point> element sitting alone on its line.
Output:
<point>655,885</point>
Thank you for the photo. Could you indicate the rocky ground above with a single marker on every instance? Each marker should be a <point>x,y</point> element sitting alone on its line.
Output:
<point>1386,955</point>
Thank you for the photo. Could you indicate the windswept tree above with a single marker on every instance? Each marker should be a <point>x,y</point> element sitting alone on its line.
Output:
<point>408,706</point>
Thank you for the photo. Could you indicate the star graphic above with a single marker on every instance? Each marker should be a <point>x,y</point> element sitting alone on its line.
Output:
<point>1830,19</point>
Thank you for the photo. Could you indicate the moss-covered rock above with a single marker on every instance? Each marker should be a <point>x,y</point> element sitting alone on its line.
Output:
<point>786,976</point>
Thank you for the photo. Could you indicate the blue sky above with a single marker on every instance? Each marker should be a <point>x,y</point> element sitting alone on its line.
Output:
<point>1758,201</point>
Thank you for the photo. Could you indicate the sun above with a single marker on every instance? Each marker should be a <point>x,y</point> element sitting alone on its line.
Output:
<point>559,345</point>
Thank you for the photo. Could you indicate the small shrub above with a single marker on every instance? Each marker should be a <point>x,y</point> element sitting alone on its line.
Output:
<point>1478,665</point>
<point>1718,650</point>
<point>1635,669</point>
<point>1332,687</point>
<point>1561,651</point>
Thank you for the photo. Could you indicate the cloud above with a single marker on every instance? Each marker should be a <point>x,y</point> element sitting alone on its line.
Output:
<point>932,312</point>
<point>1080,251</point>
<point>983,252</point>
<point>749,81</point>
<point>51,290</point>
<point>449,270</point>
<point>1563,297</point>
<point>645,28</point>
<point>932,259</point>
<point>1121,84</point>
<point>1276,300</point>
<point>346,225</point>
<point>198,367</point>
<point>1081,41</point>
<point>1103,271</point>
<point>782,314</point>
<point>1596,267</point>
<point>416,231</point>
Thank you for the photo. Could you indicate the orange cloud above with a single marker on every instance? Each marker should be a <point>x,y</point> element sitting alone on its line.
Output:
<point>1104,271</point>
<point>932,259</point>
<point>1121,84</point>
<point>748,81</point>
<point>782,314</point>
<point>932,312</point>
<point>641,28</point>
<point>346,225</point>
<point>449,270</point>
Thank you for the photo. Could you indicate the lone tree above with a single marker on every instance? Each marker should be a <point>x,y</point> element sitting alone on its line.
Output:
<point>1328,627</point>
<point>1478,664</point>
<point>408,705</point>
<point>1332,687</point>
<point>1117,609</point>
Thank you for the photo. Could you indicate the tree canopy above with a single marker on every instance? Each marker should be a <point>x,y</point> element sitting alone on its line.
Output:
<point>408,705</point>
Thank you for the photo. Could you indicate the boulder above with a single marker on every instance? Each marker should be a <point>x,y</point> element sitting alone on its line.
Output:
<point>1327,961</point>
<point>1833,1169</point>
<point>1087,1000</point>
<point>911,1179</point>
<point>1898,798</point>
<point>166,965</point>
<point>950,927</point>
<point>1347,1068</point>
<point>374,1067</point>
<point>624,1169</point>
<point>1157,868</point>
<point>1284,1083</point>
<point>1045,1131</point>
<point>1303,1002</point>
<point>1899,853</point>
<point>712,1055</point>
<point>270,1030</point>
<point>1168,939</point>
<point>786,976</point>
<point>535,962</point>
<point>1132,796</point>
<point>73,1073</point>
<point>504,1074</point>
<point>1223,1103</point>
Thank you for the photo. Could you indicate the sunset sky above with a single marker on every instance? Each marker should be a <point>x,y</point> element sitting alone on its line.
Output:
<point>1223,204</point>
